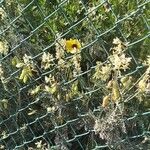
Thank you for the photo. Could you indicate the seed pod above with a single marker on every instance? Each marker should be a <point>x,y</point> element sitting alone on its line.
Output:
<point>106,100</point>
<point>115,91</point>
<point>109,85</point>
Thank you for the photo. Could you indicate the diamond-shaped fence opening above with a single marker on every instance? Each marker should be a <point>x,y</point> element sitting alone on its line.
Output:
<point>74,74</point>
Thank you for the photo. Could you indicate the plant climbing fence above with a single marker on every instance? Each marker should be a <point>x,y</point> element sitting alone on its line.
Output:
<point>75,74</point>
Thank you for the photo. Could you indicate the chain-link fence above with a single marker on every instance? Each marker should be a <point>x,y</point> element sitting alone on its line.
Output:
<point>75,74</point>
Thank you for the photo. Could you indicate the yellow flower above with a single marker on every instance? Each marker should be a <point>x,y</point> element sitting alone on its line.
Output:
<point>73,46</point>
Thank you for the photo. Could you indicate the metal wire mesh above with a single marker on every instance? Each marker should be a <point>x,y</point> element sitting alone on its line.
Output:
<point>96,98</point>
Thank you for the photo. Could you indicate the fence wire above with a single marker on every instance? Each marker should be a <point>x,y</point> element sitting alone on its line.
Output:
<point>75,74</point>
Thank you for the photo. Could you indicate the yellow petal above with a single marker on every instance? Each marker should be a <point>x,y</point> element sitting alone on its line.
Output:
<point>73,46</point>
